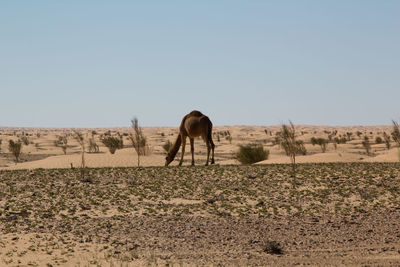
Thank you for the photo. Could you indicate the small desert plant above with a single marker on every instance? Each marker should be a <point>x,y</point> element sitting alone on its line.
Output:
<point>81,141</point>
<point>366,144</point>
<point>387,140</point>
<point>138,139</point>
<point>112,143</point>
<point>396,133</point>
<point>340,140</point>
<point>1,141</point>
<point>378,140</point>
<point>349,134</point>
<point>287,140</point>
<point>321,142</point>
<point>25,140</point>
<point>272,247</point>
<point>250,154</point>
<point>15,148</point>
<point>93,147</point>
<point>62,142</point>
<point>167,145</point>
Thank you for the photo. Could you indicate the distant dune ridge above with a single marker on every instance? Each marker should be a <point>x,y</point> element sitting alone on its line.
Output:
<point>41,151</point>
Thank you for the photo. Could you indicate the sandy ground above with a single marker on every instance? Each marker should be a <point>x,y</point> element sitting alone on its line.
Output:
<point>337,215</point>
<point>42,153</point>
<point>344,209</point>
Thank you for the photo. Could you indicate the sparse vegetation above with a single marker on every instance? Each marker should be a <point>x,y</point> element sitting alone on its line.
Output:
<point>167,145</point>
<point>15,148</point>
<point>292,147</point>
<point>235,204</point>
<point>386,137</point>
<point>138,140</point>
<point>249,154</point>
<point>62,142</point>
<point>378,140</point>
<point>322,142</point>
<point>272,247</point>
<point>25,140</point>
<point>93,147</point>
<point>396,133</point>
<point>367,145</point>
<point>81,141</point>
<point>112,143</point>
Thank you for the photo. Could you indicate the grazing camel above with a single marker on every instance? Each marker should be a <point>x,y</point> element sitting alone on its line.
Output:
<point>193,125</point>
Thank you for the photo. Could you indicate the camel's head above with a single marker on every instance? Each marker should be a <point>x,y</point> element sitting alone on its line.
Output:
<point>168,159</point>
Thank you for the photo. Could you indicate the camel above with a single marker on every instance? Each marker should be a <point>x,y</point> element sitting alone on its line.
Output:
<point>193,125</point>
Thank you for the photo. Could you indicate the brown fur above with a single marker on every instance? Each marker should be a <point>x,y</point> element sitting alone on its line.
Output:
<point>193,125</point>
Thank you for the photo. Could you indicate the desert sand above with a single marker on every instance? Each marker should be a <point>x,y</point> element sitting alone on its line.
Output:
<point>42,153</point>
<point>343,209</point>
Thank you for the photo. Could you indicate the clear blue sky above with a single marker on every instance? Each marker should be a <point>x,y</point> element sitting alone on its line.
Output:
<point>99,63</point>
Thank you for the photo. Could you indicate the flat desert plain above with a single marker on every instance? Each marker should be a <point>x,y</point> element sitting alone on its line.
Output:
<point>41,151</point>
<point>344,208</point>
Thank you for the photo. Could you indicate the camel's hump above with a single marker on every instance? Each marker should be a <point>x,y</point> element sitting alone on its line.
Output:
<point>196,113</point>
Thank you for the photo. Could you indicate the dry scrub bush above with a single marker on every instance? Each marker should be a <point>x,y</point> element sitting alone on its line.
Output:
<point>167,145</point>
<point>138,140</point>
<point>62,142</point>
<point>322,142</point>
<point>25,140</point>
<point>112,143</point>
<point>15,148</point>
<point>272,247</point>
<point>292,147</point>
<point>93,147</point>
<point>250,154</point>
<point>387,140</point>
<point>396,133</point>
<point>378,140</point>
<point>366,144</point>
<point>81,141</point>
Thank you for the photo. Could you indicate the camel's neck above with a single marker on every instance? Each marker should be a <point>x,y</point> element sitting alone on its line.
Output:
<point>175,148</point>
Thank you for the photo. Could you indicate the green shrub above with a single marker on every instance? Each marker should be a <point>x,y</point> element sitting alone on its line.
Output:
<point>93,147</point>
<point>378,140</point>
<point>112,143</point>
<point>167,146</point>
<point>366,144</point>
<point>396,133</point>
<point>340,140</point>
<point>62,142</point>
<point>250,154</point>
<point>25,140</point>
<point>321,142</point>
<point>138,140</point>
<point>15,148</point>
<point>272,247</point>
<point>387,140</point>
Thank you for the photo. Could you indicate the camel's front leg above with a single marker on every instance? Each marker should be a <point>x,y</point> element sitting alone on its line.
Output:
<point>183,149</point>
<point>192,149</point>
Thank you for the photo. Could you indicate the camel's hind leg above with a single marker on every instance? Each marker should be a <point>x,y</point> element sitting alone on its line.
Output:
<point>208,149</point>
<point>212,148</point>
<point>183,148</point>
<point>192,149</point>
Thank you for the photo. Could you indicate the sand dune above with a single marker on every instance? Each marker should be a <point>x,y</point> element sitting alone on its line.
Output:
<point>42,153</point>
